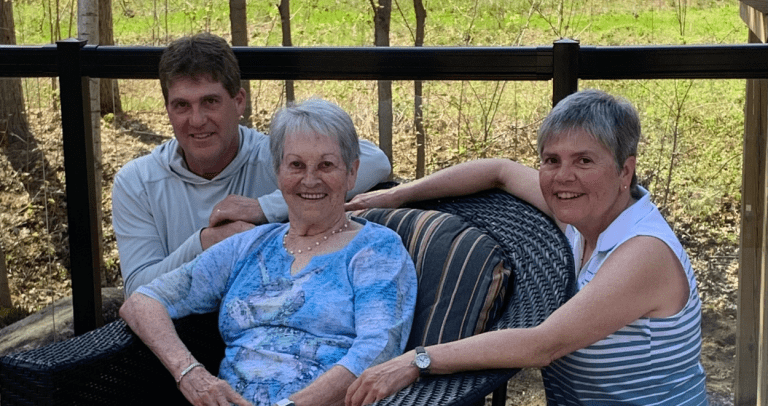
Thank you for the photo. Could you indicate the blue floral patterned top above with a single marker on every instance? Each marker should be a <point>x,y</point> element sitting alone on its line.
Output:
<point>353,307</point>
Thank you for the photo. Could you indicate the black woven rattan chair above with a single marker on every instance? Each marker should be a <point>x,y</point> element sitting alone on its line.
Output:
<point>111,366</point>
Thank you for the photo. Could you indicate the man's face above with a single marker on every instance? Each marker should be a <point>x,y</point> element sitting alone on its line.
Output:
<point>205,121</point>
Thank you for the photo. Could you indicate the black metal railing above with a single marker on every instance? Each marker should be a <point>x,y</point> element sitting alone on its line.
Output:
<point>565,62</point>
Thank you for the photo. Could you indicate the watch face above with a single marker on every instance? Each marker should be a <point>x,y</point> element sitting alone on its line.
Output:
<point>422,361</point>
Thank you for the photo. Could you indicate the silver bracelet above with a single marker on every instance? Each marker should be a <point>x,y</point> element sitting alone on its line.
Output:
<point>186,371</point>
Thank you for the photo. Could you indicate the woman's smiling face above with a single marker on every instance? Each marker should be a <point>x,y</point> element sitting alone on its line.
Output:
<point>581,183</point>
<point>313,178</point>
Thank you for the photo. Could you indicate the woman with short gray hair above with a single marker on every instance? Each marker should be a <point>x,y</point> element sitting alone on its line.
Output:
<point>632,332</point>
<point>305,306</point>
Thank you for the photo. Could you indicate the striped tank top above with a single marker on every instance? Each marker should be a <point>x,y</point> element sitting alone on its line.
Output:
<point>651,361</point>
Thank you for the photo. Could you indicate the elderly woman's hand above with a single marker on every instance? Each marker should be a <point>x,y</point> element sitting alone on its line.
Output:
<point>203,389</point>
<point>382,380</point>
<point>387,198</point>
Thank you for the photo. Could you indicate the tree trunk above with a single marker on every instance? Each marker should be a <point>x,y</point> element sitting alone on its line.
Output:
<point>88,29</point>
<point>285,23</point>
<point>381,19</point>
<point>13,119</point>
<point>418,122</point>
<point>239,27</point>
<point>110,92</point>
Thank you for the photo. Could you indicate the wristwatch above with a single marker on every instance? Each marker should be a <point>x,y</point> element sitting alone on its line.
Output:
<point>422,361</point>
<point>285,402</point>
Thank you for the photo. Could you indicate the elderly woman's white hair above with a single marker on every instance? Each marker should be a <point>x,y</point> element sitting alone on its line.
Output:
<point>318,116</point>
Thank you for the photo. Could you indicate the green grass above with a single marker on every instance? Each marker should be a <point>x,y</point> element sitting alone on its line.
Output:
<point>452,22</point>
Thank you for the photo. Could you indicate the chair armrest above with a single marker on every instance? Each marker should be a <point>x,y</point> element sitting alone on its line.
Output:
<point>464,388</point>
<point>109,365</point>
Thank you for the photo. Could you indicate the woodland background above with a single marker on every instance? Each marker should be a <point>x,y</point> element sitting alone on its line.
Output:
<point>689,158</point>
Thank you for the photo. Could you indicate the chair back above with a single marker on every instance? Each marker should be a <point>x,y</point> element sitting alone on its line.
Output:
<point>484,261</point>
<point>462,277</point>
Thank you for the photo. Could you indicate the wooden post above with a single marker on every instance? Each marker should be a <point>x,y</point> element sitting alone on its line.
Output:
<point>5,288</point>
<point>752,242</point>
<point>751,386</point>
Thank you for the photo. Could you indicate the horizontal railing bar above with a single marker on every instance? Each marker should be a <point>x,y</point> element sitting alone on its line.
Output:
<point>742,61</point>
<point>397,63</point>
<point>28,61</point>
<point>343,63</point>
<point>135,62</point>
<point>745,61</point>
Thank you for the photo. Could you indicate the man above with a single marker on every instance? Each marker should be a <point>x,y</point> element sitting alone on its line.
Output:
<point>214,179</point>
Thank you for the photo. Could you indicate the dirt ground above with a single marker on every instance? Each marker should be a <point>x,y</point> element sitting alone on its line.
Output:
<point>33,220</point>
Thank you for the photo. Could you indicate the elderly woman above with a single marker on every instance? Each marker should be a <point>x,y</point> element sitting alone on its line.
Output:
<point>631,335</point>
<point>304,307</point>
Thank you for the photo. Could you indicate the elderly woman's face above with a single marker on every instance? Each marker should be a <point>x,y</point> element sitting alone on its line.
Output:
<point>581,183</point>
<point>313,177</point>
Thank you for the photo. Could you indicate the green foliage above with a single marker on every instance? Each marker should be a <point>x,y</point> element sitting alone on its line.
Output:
<point>690,157</point>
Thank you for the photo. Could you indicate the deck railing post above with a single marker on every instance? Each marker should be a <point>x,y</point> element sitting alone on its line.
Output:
<point>565,69</point>
<point>80,187</point>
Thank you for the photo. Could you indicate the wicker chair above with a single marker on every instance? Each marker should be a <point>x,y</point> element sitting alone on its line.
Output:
<point>112,366</point>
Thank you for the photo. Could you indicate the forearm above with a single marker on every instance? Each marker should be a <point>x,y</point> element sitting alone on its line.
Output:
<point>328,389</point>
<point>235,208</point>
<point>471,353</point>
<point>149,247</point>
<point>462,179</point>
<point>511,348</point>
<point>213,235</point>
<point>151,322</point>
<point>475,176</point>
<point>142,260</point>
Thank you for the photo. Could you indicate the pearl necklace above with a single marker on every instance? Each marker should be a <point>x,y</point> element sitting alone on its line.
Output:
<point>317,243</point>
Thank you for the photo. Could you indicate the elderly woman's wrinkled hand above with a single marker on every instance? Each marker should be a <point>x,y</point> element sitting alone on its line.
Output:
<point>203,389</point>
<point>379,198</point>
<point>382,380</point>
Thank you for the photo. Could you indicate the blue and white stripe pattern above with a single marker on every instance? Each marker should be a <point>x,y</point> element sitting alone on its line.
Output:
<point>648,362</point>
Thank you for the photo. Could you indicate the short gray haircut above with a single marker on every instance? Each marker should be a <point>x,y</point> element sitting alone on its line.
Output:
<point>318,116</point>
<point>612,121</point>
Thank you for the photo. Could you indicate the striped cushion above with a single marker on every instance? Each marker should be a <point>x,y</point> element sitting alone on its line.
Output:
<point>461,273</point>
